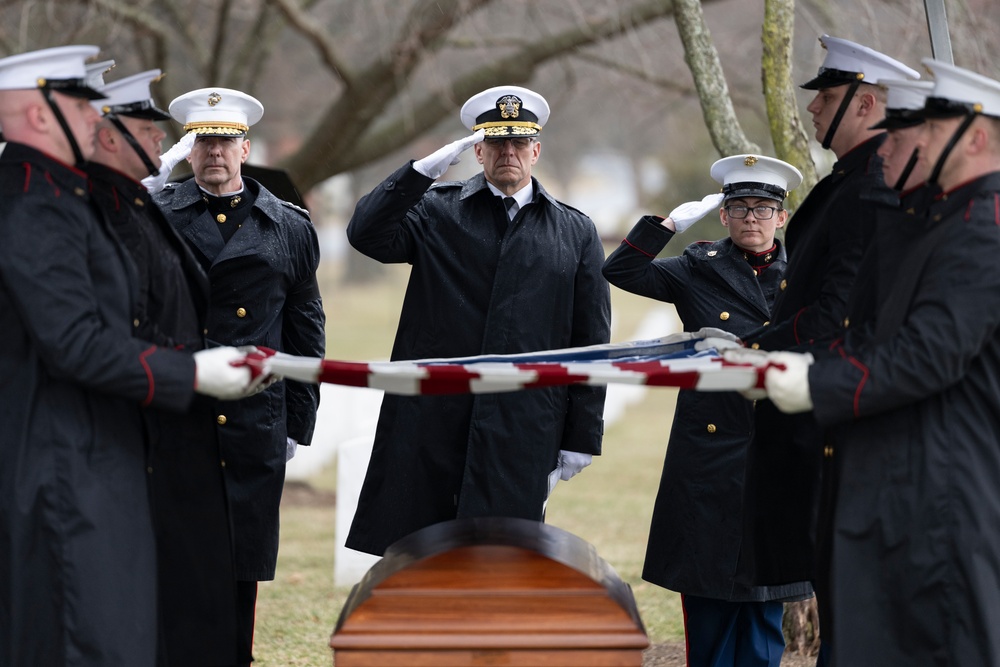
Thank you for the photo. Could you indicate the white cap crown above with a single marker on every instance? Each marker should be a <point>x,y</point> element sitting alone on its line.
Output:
<point>131,96</point>
<point>957,90</point>
<point>216,111</point>
<point>847,61</point>
<point>755,176</point>
<point>61,68</point>
<point>506,111</point>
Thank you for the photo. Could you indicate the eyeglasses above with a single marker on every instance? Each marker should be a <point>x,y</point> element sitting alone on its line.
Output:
<point>519,143</point>
<point>759,212</point>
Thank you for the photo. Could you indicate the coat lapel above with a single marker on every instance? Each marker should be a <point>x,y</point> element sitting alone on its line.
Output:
<point>728,264</point>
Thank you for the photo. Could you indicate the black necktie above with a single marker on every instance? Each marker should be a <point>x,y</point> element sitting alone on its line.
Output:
<point>509,202</point>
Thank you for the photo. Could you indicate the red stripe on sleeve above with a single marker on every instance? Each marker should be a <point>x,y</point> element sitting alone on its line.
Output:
<point>149,375</point>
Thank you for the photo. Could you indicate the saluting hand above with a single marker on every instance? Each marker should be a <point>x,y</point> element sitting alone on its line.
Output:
<point>168,161</point>
<point>435,164</point>
<point>691,212</point>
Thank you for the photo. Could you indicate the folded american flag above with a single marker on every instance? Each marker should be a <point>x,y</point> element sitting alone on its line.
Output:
<point>684,360</point>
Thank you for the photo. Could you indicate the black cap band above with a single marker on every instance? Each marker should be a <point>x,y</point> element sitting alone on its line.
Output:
<point>897,119</point>
<point>831,78</point>
<point>142,109</point>
<point>751,189</point>
<point>942,107</point>
<point>72,87</point>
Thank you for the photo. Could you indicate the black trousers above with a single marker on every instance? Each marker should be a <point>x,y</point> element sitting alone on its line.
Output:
<point>246,608</point>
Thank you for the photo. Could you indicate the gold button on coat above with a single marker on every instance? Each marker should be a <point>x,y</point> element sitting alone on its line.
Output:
<point>847,322</point>
<point>221,218</point>
<point>711,428</point>
<point>755,346</point>
<point>241,312</point>
<point>783,285</point>
<point>220,420</point>
<point>723,316</point>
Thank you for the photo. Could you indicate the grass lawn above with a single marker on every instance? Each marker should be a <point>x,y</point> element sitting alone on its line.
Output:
<point>608,505</point>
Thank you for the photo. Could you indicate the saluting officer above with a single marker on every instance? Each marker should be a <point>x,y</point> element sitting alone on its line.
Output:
<point>697,525</point>
<point>498,266</point>
<point>261,255</point>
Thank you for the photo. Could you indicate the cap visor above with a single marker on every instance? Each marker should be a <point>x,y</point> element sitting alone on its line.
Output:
<point>81,91</point>
<point>825,81</point>
<point>149,114</point>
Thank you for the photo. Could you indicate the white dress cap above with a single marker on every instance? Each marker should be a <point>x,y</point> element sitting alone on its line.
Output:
<point>846,62</point>
<point>506,111</point>
<point>755,176</point>
<point>904,103</point>
<point>96,72</point>
<point>907,94</point>
<point>220,112</point>
<point>61,68</point>
<point>131,97</point>
<point>958,91</point>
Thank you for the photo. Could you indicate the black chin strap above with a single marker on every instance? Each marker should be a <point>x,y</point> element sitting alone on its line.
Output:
<point>77,155</point>
<point>150,167</point>
<point>852,88</point>
<point>907,170</point>
<point>932,179</point>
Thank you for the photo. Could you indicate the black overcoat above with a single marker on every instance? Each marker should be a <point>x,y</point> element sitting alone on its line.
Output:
<point>697,525</point>
<point>825,240</point>
<point>914,413</point>
<point>263,292</point>
<point>197,581</point>
<point>478,286</point>
<point>77,577</point>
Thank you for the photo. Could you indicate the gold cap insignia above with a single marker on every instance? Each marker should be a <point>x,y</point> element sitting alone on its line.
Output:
<point>214,99</point>
<point>749,161</point>
<point>509,106</point>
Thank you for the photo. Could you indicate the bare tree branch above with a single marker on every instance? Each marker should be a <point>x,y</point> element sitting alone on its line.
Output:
<point>321,158</point>
<point>710,81</point>
<point>791,143</point>
<point>316,35</point>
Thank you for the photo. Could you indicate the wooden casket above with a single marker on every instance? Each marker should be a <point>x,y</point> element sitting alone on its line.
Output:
<point>490,591</point>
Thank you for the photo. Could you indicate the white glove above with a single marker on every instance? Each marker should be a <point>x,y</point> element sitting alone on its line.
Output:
<point>168,161</point>
<point>216,376</point>
<point>435,164</point>
<point>789,389</point>
<point>718,339</point>
<point>291,446</point>
<point>751,357</point>
<point>691,212</point>
<point>570,463</point>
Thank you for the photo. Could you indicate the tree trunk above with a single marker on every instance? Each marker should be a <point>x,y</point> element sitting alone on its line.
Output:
<point>801,627</point>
